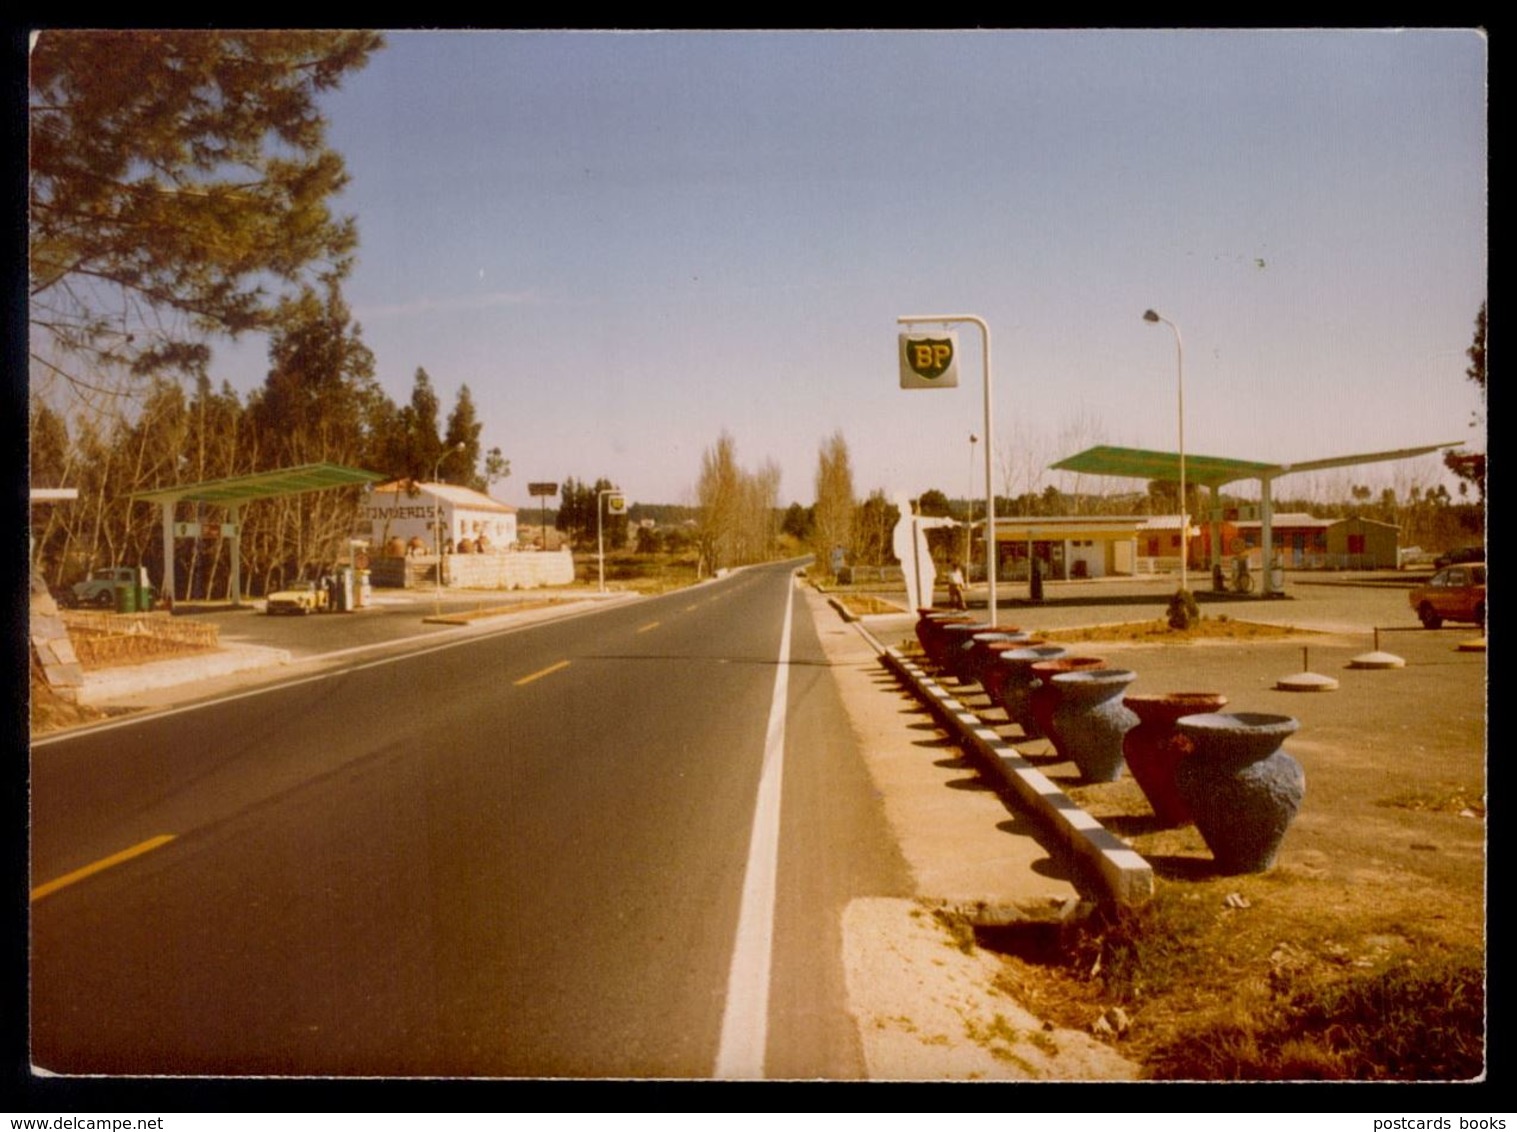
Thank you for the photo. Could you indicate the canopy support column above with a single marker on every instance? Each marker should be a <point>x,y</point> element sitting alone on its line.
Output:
<point>236,594</point>
<point>168,550</point>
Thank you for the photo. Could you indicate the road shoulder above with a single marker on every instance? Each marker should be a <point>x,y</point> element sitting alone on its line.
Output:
<point>924,1000</point>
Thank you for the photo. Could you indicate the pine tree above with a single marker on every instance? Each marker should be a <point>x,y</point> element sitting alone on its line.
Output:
<point>423,443</point>
<point>180,186</point>
<point>461,466</point>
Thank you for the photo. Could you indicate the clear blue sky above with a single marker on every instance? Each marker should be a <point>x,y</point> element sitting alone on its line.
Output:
<point>625,243</point>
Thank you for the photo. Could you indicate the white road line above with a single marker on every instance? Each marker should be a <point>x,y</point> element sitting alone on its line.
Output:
<point>745,1022</point>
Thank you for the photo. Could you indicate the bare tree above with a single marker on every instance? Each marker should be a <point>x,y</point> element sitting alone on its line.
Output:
<point>833,522</point>
<point>717,498</point>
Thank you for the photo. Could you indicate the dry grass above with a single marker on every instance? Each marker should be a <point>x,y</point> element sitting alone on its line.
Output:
<point>1222,982</point>
<point>1159,632</point>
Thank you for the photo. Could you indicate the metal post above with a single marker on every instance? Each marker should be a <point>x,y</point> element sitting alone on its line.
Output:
<point>990,499</point>
<point>1154,316</point>
<point>437,521</point>
<point>236,586</point>
<point>168,550</point>
<point>600,540</point>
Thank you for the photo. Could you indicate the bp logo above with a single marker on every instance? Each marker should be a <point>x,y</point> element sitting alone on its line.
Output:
<point>929,363</point>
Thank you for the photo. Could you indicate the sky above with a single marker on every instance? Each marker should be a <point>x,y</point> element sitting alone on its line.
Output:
<point>626,243</point>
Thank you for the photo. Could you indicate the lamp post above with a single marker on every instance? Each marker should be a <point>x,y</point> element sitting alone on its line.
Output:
<point>1155,316</point>
<point>969,507</point>
<point>437,522</point>
<point>990,501</point>
<point>600,538</point>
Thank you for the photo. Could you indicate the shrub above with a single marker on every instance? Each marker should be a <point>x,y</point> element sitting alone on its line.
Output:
<point>1183,610</point>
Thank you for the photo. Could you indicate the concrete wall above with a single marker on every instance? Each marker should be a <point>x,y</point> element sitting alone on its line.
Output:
<point>517,570</point>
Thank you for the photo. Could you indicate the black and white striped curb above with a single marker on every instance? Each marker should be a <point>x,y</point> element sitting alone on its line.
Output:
<point>1125,875</point>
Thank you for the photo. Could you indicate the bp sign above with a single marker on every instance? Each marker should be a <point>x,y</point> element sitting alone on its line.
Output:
<point>616,505</point>
<point>929,363</point>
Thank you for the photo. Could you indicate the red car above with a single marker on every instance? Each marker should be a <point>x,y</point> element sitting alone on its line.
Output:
<point>1456,593</point>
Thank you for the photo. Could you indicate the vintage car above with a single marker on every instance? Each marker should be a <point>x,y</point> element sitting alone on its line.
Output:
<point>303,598</point>
<point>100,588</point>
<point>1456,593</point>
<point>1461,557</point>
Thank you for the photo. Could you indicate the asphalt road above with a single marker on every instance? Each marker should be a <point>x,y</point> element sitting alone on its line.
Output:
<point>521,854</point>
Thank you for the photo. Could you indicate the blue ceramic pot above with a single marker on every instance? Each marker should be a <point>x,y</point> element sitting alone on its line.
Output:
<point>1242,789</point>
<point>1090,720</point>
<point>1016,680</point>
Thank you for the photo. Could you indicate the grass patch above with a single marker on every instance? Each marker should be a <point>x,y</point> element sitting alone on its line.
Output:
<point>1417,1021</point>
<point>1161,632</point>
<point>639,573</point>
<point>1216,991</point>
<point>958,927</point>
<point>1149,950</point>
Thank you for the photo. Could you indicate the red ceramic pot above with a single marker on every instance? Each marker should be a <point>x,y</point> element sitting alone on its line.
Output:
<point>993,673</point>
<point>1153,749</point>
<point>1045,697</point>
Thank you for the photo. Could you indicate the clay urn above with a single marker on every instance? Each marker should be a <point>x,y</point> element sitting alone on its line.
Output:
<point>1153,749</point>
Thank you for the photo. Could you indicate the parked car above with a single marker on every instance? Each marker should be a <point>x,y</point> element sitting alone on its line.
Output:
<point>101,586</point>
<point>302,598</point>
<point>1456,593</point>
<point>1461,557</point>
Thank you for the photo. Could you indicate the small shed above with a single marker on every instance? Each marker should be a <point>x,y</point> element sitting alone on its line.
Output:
<point>1363,544</point>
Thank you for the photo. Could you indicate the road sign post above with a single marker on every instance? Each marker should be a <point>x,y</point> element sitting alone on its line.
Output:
<point>543,491</point>
<point>616,505</point>
<point>929,362</point>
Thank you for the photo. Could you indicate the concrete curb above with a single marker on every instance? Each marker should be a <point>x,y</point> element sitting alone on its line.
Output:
<point>1122,871</point>
<point>112,683</point>
<point>1127,877</point>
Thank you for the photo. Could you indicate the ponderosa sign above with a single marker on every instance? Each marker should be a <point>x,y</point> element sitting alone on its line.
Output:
<point>929,362</point>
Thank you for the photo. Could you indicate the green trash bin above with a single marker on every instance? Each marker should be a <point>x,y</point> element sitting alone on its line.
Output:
<point>144,599</point>
<point>126,598</point>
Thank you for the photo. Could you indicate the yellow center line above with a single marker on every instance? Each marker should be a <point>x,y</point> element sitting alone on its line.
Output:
<point>101,865</point>
<point>552,668</point>
<point>649,625</point>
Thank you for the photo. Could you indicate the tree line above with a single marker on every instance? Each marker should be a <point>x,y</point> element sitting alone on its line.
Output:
<point>180,189</point>
<point>319,404</point>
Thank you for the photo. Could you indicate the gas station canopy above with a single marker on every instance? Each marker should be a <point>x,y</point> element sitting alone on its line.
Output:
<point>1142,464</point>
<point>1213,471</point>
<point>232,493</point>
<point>263,485</point>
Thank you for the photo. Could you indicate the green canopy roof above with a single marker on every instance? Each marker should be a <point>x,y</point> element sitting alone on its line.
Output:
<point>1214,471</point>
<point>263,485</point>
<point>1142,464</point>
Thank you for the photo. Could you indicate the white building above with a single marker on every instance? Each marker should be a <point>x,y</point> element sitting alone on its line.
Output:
<point>417,513</point>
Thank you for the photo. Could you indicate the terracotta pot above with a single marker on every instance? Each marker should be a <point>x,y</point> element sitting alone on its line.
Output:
<point>1044,697</point>
<point>929,628</point>
<point>954,645</point>
<point>930,631</point>
<point>1242,789</point>
<point>1014,681</point>
<point>1154,748</point>
<point>1089,720</point>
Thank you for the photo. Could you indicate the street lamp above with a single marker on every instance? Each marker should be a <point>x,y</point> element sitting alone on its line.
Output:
<point>969,508</point>
<point>600,538</point>
<point>990,499</point>
<point>437,520</point>
<point>1155,316</point>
